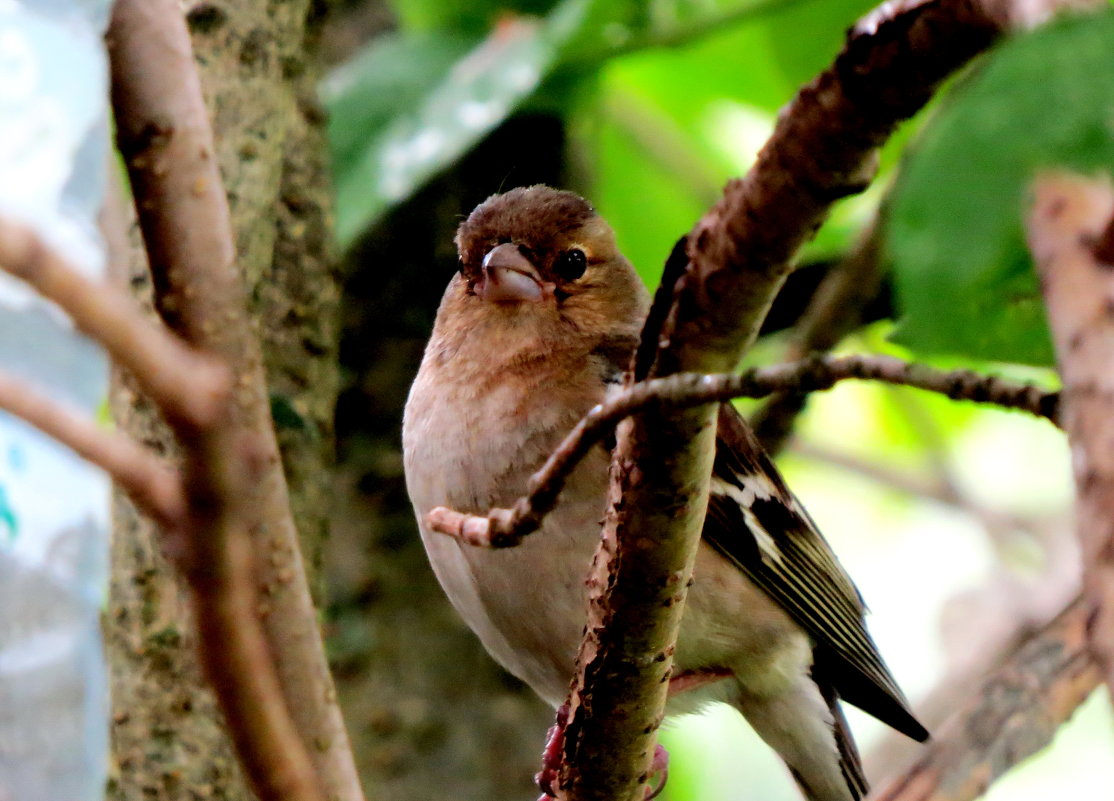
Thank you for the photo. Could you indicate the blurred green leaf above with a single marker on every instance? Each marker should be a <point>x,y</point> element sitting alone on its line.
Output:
<point>386,80</point>
<point>381,157</point>
<point>964,277</point>
<point>666,130</point>
<point>804,38</point>
<point>462,16</point>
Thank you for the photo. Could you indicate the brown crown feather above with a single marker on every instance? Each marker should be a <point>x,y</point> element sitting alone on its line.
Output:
<point>538,218</point>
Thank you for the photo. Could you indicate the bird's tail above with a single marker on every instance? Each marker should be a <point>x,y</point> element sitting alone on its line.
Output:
<point>809,732</point>
<point>850,763</point>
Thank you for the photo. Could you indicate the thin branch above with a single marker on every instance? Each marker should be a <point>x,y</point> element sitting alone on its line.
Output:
<point>1069,215</point>
<point>1016,713</point>
<point>229,635</point>
<point>110,317</point>
<point>505,528</point>
<point>271,675</point>
<point>152,485</point>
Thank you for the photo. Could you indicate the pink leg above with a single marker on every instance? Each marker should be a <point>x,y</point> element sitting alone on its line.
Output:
<point>659,765</point>
<point>546,778</point>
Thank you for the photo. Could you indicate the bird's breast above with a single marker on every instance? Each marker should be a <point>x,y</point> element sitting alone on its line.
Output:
<point>473,445</point>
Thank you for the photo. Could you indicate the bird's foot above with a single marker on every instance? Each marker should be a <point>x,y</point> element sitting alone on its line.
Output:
<point>546,778</point>
<point>659,766</point>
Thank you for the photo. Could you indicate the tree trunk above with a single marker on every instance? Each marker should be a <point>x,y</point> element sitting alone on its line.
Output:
<point>257,66</point>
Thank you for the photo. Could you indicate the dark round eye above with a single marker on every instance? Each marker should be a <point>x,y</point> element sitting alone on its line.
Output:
<point>571,264</point>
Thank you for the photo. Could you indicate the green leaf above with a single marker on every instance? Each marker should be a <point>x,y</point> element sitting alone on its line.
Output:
<point>379,165</point>
<point>964,278</point>
<point>385,80</point>
<point>466,16</point>
<point>804,37</point>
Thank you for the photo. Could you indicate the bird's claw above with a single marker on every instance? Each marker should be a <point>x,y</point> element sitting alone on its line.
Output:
<point>546,778</point>
<point>658,766</point>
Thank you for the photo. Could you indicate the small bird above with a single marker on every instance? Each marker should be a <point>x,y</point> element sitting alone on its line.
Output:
<point>537,328</point>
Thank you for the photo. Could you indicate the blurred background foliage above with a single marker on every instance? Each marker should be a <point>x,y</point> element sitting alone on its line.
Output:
<point>954,520</point>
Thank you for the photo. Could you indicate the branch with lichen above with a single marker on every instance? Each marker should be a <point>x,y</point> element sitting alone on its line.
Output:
<point>1015,713</point>
<point>504,528</point>
<point>1071,232</point>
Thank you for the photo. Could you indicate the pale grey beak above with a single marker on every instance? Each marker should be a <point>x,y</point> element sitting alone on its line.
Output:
<point>509,277</point>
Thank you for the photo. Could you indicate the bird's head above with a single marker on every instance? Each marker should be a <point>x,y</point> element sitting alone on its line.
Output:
<point>541,260</point>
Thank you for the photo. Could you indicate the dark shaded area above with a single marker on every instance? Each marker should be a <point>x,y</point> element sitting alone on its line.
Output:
<point>794,298</point>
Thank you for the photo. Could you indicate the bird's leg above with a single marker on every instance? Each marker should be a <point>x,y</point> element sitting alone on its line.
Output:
<point>546,778</point>
<point>659,765</point>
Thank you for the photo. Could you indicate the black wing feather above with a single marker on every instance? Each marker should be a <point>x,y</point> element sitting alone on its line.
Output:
<point>757,523</point>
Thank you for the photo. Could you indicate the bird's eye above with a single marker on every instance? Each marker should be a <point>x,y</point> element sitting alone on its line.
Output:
<point>571,264</point>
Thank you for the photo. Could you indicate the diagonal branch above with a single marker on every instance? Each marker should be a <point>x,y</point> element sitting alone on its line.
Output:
<point>148,481</point>
<point>1069,216</point>
<point>1015,714</point>
<point>200,518</point>
<point>824,148</point>
<point>111,318</point>
<point>505,528</point>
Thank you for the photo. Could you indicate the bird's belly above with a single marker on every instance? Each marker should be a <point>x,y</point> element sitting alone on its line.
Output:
<point>526,604</point>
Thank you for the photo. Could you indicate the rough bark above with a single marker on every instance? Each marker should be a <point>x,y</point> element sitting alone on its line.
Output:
<point>1068,224</point>
<point>258,64</point>
<point>1015,713</point>
<point>168,739</point>
<point>255,72</point>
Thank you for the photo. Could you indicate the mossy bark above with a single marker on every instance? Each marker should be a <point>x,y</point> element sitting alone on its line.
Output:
<point>257,67</point>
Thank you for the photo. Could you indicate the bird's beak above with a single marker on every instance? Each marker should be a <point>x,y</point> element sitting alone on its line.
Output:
<point>509,277</point>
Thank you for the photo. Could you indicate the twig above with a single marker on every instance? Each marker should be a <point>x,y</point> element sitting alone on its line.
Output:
<point>287,727</point>
<point>504,528</point>
<point>194,516</point>
<point>110,317</point>
<point>1016,713</point>
<point>1069,215</point>
<point>152,485</point>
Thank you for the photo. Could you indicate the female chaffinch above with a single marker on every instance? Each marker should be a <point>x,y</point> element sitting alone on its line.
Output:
<point>539,323</point>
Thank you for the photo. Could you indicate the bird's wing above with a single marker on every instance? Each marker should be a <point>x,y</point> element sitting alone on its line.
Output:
<point>756,522</point>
